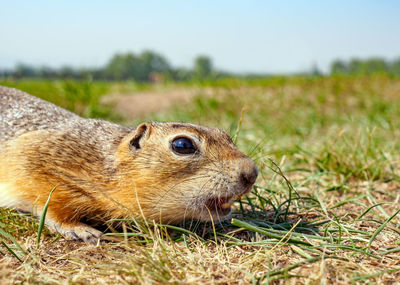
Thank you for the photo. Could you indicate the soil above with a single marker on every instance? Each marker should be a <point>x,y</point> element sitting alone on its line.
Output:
<point>132,106</point>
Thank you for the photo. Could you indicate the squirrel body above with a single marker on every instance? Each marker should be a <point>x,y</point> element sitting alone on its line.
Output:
<point>168,172</point>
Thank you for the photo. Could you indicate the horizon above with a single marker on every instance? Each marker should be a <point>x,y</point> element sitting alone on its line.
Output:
<point>252,37</point>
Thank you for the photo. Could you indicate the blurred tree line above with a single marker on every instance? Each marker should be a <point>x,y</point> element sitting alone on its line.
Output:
<point>150,66</point>
<point>147,66</point>
<point>366,67</point>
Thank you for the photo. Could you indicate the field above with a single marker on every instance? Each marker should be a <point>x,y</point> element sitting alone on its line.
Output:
<point>325,208</point>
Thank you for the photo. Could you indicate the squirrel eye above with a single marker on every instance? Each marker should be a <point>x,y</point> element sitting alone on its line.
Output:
<point>183,145</point>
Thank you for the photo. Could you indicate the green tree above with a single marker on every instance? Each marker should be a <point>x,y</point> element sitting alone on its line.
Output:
<point>369,66</point>
<point>124,67</point>
<point>153,62</point>
<point>68,72</point>
<point>339,67</point>
<point>202,67</point>
<point>315,71</point>
<point>395,67</point>
<point>130,66</point>
<point>23,70</point>
<point>375,65</point>
<point>356,67</point>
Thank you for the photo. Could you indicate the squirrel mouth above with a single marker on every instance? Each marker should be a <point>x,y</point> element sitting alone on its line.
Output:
<point>220,205</point>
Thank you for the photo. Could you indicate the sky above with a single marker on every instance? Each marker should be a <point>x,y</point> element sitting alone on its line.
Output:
<point>239,36</point>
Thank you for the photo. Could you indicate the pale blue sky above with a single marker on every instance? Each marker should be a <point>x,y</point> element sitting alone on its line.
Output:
<point>240,36</point>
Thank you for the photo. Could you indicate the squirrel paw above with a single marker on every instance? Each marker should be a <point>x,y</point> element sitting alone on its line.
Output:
<point>78,232</point>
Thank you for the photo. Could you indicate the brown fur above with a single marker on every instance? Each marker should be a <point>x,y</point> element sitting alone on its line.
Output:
<point>102,170</point>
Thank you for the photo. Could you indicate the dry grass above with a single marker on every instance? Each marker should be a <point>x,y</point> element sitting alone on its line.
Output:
<point>327,214</point>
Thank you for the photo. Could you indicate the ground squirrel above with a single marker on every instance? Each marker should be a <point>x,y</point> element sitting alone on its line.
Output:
<point>168,172</point>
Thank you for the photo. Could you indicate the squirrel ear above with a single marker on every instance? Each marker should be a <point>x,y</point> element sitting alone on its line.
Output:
<point>136,142</point>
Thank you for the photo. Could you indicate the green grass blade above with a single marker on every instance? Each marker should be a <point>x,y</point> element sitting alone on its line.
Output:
<point>368,276</point>
<point>11,251</point>
<point>369,209</point>
<point>10,237</point>
<point>300,251</point>
<point>250,227</point>
<point>378,230</point>
<point>43,218</point>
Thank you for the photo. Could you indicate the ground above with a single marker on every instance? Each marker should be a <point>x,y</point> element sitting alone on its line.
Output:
<point>324,208</point>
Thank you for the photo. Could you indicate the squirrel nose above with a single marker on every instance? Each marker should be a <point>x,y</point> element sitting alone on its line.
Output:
<point>249,172</point>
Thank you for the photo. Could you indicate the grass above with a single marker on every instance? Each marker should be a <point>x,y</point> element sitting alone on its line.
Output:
<point>325,208</point>
<point>81,97</point>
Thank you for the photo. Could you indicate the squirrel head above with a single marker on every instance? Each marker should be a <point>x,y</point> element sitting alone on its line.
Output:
<point>178,171</point>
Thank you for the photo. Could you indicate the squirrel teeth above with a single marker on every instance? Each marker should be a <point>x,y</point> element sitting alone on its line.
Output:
<point>230,202</point>
<point>226,205</point>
